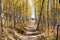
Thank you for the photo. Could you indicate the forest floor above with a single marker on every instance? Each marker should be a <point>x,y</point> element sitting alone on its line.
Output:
<point>12,34</point>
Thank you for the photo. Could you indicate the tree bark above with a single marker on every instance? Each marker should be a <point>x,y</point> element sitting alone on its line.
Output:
<point>40,16</point>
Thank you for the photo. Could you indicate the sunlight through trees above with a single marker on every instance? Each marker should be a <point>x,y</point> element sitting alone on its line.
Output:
<point>38,18</point>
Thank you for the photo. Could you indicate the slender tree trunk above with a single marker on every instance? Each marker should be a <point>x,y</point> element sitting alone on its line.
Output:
<point>57,29</point>
<point>35,13</point>
<point>40,16</point>
<point>14,18</point>
<point>0,8</point>
<point>2,17</point>
<point>53,14</point>
<point>0,14</point>
<point>26,12</point>
<point>57,38</point>
<point>48,16</point>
